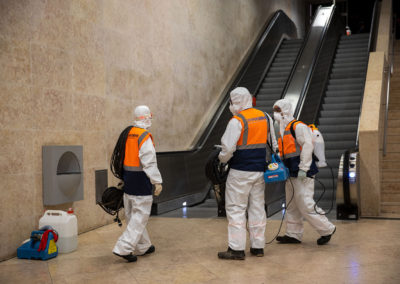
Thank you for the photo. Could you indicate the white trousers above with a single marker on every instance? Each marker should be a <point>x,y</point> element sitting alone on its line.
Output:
<point>245,190</point>
<point>302,206</point>
<point>135,238</point>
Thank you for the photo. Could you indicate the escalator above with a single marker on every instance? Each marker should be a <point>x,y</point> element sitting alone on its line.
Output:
<point>274,82</point>
<point>323,78</point>
<point>340,108</point>
<point>333,103</point>
<point>184,179</point>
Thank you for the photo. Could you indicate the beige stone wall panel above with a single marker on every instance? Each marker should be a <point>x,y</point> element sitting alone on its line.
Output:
<point>21,228</point>
<point>54,27</point>
<point>122,82</point>
<point>51,67</point>
<point>88,10</point>
<point>18,19</point>
<point>88,75</point>
<point>118,15</point>
<point>88,39</point>
<point>16,107</point>
<point>16,148</point>
<point>15,63</point>
<point>53,109</point>
<point>89,113</point>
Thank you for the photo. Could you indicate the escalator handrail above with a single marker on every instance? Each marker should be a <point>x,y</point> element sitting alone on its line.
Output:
<point>371,34</point>
<point>326,37</point>
<point>313,64</point>
<point>207,131</point>
<point>307,80</point>
<point>292,72</point>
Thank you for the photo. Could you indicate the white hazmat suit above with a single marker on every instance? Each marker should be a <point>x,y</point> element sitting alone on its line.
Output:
<point>302,204</point>
<point>244,189</point>
<point>135,239</point>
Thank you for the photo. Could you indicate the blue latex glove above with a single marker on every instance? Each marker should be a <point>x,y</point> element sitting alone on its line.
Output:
<point>302,174</point>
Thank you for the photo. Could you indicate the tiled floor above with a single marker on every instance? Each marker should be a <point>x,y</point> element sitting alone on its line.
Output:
<point>366,251</point>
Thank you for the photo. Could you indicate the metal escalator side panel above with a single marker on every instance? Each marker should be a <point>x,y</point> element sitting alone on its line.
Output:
<point>313,96</point>
<point>302,72</point>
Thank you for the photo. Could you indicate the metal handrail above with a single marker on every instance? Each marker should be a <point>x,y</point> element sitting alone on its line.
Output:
<point>302,96</point>
<point>389,71</point>
<point>334,25</point>
<point>299,54</point>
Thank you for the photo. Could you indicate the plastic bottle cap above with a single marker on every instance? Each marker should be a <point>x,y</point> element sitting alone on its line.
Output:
<point>70,211</point>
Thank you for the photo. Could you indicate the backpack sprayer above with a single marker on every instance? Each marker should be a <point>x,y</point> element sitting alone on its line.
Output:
<point>112,200</point>
<point>217,173</point>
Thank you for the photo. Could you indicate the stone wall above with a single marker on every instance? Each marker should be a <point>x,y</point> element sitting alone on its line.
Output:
<point>71,72</point>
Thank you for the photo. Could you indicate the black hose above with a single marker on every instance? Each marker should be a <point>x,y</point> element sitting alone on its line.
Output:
<point>323,192</point>
<point>118,155</point>
<point>284,213</point>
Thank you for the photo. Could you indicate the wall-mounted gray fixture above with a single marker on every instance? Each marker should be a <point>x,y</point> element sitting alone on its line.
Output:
<point>62,174</point>
<point>101,183</point>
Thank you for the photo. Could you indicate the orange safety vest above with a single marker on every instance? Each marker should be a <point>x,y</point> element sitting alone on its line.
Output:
<point>254,123</point>
<point>250,154</point>
<point>288,146</point>
<point>136,137</point>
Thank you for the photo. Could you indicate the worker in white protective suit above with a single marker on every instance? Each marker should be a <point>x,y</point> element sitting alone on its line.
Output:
<point>140,175</point>
<point>296,153</point>
<point>244,147</point>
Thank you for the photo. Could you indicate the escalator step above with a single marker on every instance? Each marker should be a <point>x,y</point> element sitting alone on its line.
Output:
<point>344,69</point>
<point>341,106</point>
<point>333,154</point>
<point>338,113</point>
<point>346,75</point>
<point>339,145</point>
<point>344,86</point>
<point>337,128</point>
<point>338,100</point>
<point>277,75</point>
<point>343,93</point>
<point>358,81</point>
<point>338,120</point>
<point>338,136</point>
<point>359,59</point>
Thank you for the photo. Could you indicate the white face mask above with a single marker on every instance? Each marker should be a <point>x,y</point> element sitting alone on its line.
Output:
<point>233,109</point>
<point>278,116</point>
<point>144,123</point>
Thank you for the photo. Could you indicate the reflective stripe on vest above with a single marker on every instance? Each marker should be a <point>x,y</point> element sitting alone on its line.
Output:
<point>136,137</point>
<point>288,147</point>
<point>253,123</point>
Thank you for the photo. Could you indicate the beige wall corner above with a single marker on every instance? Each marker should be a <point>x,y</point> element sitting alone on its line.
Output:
<point>370,135</point>
<point>385,22</point>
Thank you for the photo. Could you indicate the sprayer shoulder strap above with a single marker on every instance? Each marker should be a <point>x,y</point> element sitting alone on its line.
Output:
<point>269,138</point>
<point>293,122</point>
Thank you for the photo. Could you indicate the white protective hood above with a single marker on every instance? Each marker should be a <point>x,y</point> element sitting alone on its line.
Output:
<point>285,116</point>
<point>142,117</point>
<point>241,99</point>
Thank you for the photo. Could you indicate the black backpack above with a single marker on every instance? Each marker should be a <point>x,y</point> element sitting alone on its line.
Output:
<point>112,201</point>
